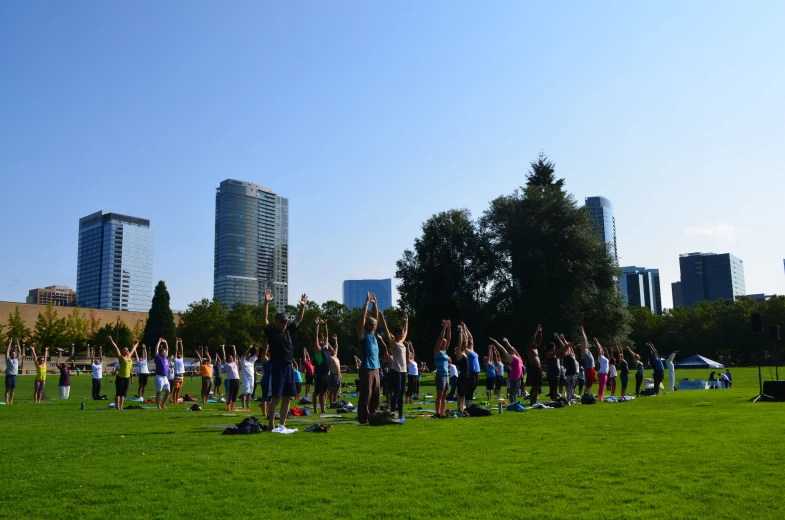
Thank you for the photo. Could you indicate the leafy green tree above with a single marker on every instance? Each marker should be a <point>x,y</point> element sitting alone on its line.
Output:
<point>16,327</point>
<point>125,337</point>
<point>245,326</point>
<point>50,330</point>
<point>160,319</point>
<point>550,266</point>
<point>205,323</point>
<point>77,329</point>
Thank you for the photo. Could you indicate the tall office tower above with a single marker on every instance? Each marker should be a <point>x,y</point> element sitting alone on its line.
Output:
<point>601,212</point>
<point>641,287</point>
<point>355,292</point>
<point>251,244</point>
<point>678,301</point>
<point>114,268</point>
<point>709,276</point>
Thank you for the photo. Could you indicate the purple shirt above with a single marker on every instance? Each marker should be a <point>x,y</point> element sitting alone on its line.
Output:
<point>65,375</point>
<point>161,365</point>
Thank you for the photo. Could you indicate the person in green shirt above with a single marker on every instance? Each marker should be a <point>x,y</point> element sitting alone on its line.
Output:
<point>122,378</point>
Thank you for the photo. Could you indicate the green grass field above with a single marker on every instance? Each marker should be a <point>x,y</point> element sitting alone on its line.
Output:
<point>689,454</point>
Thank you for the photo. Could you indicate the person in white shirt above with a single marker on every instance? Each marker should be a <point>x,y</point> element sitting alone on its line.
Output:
<point>179,371</point>
<point>247,363</point>
<point>232,377</point>
<point>144,371</point>
<point>11,370</point>
<point>97,373</point>
<point>453,380</point>
<point>672,369</point>
<point>413,373</point>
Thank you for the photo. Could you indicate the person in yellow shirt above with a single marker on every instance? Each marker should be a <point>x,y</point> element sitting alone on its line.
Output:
<point>206,362</point>
<point>122,379</point>
<point>40,374</point>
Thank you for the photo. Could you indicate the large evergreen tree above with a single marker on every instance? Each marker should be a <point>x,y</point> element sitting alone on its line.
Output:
<point>16,326</point>
<point>160,319</point>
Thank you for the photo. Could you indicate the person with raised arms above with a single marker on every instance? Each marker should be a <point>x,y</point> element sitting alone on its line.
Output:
<point>40,374</point>
<point>335,369</point>
<point>97,369</point>
<point>368,393</point>
<point>279,338</point>
<point>218,370</point>
<point>162,386</point>
<point>298,379</point>
<point>474,364</point>
<point>602,376</point>
<point>490,373</point>
<point>672,370</point>
<point>462,363</point>
<point>309,371</point>
<point>321,354</point>
<point>453,371</point>
<point>206,364</point>
<point>659,370</point>
<point>179,371</point>
<point>232,376</point>
<point>442,360</point>
<point>588,362</point>
<point>553,370</point>
<point>65,375</point>
<point>624,369</point>
<point>122,379</point>
<point>534,379</point>
<point>144,371</point>
<point>412,376</point>
<point>248,364</point>
<point>571,367</point>
<point>12,357</point>
<point>501,378</point>
<point>511,356</point>
<point>266,368</point>
<point>398,354</point>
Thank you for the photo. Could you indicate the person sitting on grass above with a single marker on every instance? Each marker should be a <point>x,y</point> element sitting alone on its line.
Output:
<point>725,379</point>
<point>248,364</point>
<point>398,357</point>
<point>206,364</point>
<point>442,360</point>
<point>11,370</point>
<point>40,374</point>
<point>122,378</point>
<point>65,375</point>
<point>144,371</point>
<point>232,376</point>
<point>730,377</point>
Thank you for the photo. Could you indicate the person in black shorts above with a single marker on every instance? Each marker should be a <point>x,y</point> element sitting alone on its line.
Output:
<point>279,337</point>
<point>321,354</point>
<point>462,362</point>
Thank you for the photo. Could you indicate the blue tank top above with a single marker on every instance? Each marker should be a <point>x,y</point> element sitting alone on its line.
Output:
<point>474,361</point>
<point>369,349</point>
<point>442,362</point>
<point>490,370</point>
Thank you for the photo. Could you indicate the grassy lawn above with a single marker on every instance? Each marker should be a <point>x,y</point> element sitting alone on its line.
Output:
<point>690,454</point>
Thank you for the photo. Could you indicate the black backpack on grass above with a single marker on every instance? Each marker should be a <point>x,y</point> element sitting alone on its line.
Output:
<point>475,410</point>
<point>588,399</point>
<point>382,418</point>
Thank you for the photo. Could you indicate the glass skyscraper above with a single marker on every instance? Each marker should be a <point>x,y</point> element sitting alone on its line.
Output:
<point>356,291</point>
<point>601,212</point>
<point>251,244</point>
<point>641,287</point>
<point>114,268</point>
<point>709,276</point>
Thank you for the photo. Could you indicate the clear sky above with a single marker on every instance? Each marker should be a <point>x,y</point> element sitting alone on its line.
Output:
<point>373,116</point>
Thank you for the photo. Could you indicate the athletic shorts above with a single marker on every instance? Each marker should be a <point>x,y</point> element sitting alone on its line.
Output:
<point>217,381</point>
<point>500,380</point>
<point>10,382</point>
<point>121,386</point>
<point>321,383</point>
<point>265,388</point>
<point>162,384</point>
<point>143,379</point>
<point>281,380</point>
<point>308,379</point>
<point>442,382</point>
<point>490,383</point>
<point>335,381</point>
<point>247,386</point>
<point>534,380</point>
<point>591,376</point>
<point>177,385</point>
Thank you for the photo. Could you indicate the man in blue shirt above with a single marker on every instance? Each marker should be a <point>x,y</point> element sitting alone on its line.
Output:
<point>368,392</point>
<point>659,368</point>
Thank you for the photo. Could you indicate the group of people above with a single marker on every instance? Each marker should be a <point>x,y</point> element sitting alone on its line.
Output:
<point>570,368</point>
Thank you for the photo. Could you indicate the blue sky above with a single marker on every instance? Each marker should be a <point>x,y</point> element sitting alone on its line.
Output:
<point>371,117</point>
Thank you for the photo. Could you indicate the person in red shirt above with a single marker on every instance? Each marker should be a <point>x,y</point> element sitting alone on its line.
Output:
<point>308,371</point>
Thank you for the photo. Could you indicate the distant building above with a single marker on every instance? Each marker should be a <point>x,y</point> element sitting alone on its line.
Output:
<point>356,291</point>
<point>760,298</point>
<point>678,301</point>
<point>57,295</point>
<point>601,212</point>
<point>710,276</point>
<point>641,288</point>
<point>251,244</point>
<point>114,267</point>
